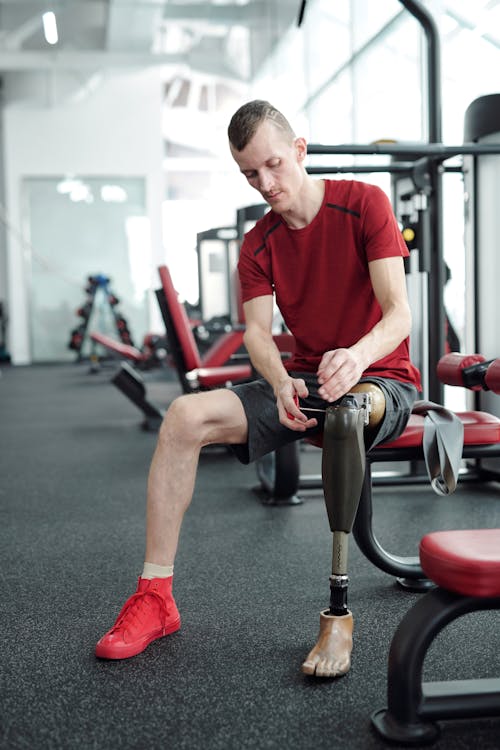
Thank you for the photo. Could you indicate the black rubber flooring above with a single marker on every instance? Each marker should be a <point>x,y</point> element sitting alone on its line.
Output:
<point>250,582</point>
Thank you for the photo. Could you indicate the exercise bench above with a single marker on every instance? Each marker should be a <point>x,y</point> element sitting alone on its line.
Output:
<point>465,565</point>
<point>151,354</point>
<point>215,368</point>
<point>195,372</point>
<point>481,439</point>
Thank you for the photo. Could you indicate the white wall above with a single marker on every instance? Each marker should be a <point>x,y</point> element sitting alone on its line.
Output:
<point>113,131</point>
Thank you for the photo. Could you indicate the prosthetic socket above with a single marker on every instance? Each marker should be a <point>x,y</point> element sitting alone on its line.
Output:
<point>343,470</point>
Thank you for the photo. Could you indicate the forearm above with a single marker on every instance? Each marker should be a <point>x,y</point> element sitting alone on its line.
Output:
<point>384,337</point>
<point>265,356</point>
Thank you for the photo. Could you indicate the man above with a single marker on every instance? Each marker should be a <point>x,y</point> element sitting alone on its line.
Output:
<point>331,254</point>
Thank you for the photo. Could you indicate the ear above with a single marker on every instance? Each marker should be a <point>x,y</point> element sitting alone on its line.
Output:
<point>300,148</point>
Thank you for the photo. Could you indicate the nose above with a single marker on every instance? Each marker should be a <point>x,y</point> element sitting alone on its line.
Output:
<point>266,181</point>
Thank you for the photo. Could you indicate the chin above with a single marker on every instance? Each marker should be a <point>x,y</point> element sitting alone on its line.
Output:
<point>278,206</point>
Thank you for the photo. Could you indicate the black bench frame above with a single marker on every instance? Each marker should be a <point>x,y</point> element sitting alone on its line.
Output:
<point>413,705</point>
<point>281,480</point>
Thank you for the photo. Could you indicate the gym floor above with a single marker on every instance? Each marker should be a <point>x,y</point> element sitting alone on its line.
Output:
<point>250,583</point>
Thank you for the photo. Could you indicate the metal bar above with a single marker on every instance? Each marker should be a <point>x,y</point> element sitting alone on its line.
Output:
<point>302,10</point>
<point>360,169</point>
<point>405,149</point>
<point>436,277</point>
<point>431,32</point>
<point>393,168</point>
<point>436,280</point>
<point>460,699</point>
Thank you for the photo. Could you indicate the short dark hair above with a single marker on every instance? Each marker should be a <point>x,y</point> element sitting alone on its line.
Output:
<point>247,119</point>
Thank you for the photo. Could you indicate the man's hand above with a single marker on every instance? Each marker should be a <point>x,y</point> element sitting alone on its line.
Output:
<point>338,371</point>
<point>287,394</point>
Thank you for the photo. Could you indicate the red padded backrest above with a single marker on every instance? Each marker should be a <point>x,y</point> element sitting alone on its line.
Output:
<point>223,349</point>
<point>180,321</point>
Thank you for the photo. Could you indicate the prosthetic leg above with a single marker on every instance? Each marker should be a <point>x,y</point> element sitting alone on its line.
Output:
<point>343,470</point>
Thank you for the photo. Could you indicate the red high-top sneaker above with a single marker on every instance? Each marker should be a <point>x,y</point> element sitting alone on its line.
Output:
<point>148,614</point>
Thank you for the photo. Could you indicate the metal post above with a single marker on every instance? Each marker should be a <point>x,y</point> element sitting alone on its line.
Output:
<point>437,274</point>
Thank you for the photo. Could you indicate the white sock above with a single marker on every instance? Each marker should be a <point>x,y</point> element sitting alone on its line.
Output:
<point>151,570</point>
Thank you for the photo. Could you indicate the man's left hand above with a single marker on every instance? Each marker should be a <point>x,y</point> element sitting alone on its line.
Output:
<point>338,371</point>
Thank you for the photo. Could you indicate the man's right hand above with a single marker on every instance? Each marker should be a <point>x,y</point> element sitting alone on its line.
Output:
<point>287,396</point>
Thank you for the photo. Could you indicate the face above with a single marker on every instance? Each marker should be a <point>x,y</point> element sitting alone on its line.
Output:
<point>273,166</point>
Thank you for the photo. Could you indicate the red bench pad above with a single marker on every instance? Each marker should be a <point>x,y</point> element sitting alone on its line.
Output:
<point>467,562</point>
<point>209,377</point>
<point>480,428</point>
<point>125,350</point>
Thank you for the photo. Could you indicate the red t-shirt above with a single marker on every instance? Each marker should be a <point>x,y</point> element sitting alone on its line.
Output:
<point>320,276</point>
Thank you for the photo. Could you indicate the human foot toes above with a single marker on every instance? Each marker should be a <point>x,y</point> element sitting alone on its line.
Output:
<point>331,656</point>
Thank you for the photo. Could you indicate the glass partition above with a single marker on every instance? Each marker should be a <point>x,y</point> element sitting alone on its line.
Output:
<point>78,227</point>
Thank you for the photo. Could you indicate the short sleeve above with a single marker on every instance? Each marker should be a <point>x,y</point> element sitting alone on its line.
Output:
<point>254,272</point>
<point>382,237</point>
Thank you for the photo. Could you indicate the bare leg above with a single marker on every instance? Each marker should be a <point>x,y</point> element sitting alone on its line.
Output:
<point>191,422</point>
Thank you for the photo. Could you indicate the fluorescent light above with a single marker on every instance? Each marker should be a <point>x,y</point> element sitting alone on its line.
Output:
<point>113,194</point>
<point>64,187</point>
<point>80,193</point>
<point>50,27</point>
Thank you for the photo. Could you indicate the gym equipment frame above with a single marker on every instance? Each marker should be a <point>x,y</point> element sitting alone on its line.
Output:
<point>465,565</point>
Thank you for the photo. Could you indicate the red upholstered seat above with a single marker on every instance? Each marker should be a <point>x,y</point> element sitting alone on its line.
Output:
<point>480,428</point>
<point>467,562</point>
<point>210,377</point>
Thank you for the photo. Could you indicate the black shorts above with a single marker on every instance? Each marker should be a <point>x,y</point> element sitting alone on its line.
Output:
<point>266,434</point>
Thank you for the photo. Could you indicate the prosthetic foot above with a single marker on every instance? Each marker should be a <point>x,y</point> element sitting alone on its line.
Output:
<point>331,656</point>
<point>343,470</point>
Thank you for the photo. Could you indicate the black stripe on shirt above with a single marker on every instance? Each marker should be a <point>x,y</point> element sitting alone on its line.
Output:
<point>344,209</point>
<point>269,231</point>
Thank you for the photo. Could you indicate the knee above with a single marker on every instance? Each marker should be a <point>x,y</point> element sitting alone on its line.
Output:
<point>183,421</point>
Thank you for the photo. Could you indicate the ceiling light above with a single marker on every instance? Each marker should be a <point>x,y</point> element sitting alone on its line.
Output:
<point>113,194</point>
<point>64,187</point>
<point>50,27</point>
<point>81,192</point>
